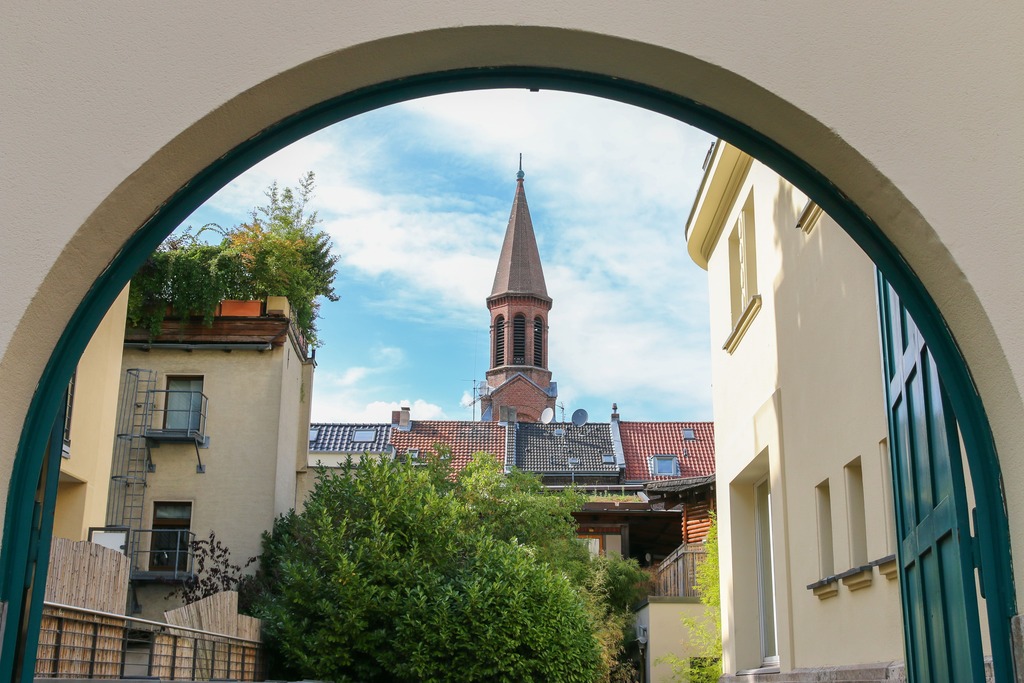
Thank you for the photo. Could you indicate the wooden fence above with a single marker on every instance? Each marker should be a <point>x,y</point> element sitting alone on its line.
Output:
<point>84,633</point>
<point>87,575</point>
<point>227,656</point>
<point>676,575</point>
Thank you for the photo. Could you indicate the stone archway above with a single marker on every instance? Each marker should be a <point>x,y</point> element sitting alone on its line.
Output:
<point>853,173</point>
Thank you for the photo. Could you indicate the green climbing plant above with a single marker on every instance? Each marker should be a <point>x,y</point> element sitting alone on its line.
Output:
<point>704,634</point>
<point>278,251</point>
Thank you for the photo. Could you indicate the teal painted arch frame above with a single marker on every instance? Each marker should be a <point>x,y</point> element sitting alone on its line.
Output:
<point>23,513</point>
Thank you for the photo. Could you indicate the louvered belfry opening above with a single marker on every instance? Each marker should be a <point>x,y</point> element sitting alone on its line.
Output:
<point>519,340</point>
<point>538,342</point>
<point>499,341</point>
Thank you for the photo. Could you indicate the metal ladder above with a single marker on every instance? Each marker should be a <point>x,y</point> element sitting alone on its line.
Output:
<point>131,461</point>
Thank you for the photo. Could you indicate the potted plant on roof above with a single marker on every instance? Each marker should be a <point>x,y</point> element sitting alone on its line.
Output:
<point>279,251</point>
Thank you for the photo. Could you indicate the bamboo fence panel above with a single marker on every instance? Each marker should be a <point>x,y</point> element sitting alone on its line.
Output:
<point>83,574</point>
<point>87,575</point>
<point>219,614</point>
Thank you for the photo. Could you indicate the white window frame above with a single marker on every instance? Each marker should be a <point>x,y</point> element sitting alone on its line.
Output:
<point>764,584</point>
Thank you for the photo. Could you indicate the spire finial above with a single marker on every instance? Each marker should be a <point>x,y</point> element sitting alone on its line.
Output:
<point>520,175</point>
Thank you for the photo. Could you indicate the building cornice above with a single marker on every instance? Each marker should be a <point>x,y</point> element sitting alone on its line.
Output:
<point>722,180</point>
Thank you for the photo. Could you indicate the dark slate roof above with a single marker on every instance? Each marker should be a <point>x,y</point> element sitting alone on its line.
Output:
<point>519,270</point>
<point>641,440</point>
<point>540,450</point>
<point>339,438</point>
<point>464,438</point>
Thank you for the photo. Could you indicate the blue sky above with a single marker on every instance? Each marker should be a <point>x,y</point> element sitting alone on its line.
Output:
<point>416,198</point>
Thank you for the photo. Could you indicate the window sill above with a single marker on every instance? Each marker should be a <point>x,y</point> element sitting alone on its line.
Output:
<point>747,317</point>
<point>825,588</point>
<point>887,567</point>
<point>773,669</point>
<point>857,577</point>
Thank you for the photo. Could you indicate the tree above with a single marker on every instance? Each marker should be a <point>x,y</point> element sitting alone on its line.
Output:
<point>279,252</point>
<point>402,572</point>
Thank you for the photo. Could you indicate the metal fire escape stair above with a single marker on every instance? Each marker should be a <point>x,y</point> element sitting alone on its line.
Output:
<point>131,461</point>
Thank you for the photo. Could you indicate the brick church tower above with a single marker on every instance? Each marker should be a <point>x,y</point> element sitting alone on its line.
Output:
<point>518,379</point>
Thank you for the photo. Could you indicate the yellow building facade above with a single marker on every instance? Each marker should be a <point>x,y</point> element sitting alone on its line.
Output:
<point>809,577</point>
<point>89,431</point>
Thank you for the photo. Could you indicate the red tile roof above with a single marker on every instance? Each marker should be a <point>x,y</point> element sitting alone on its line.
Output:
<point>464,439</point>
<point>641,440</point>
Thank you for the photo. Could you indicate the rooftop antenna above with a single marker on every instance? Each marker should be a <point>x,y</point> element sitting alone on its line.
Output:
<point>561,406</point>
<point>547,416</point>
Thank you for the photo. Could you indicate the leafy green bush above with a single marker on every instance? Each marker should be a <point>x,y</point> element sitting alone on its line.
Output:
<point>278,252</point>
<point>400,572</point>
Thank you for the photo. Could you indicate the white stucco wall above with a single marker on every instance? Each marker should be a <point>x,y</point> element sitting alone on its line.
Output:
<point>912,110</point>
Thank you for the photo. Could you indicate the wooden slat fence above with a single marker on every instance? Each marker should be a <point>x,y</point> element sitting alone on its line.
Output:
<point>676,575</point>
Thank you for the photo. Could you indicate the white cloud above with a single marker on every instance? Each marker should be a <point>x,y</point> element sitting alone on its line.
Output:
<point>339,408</point>
<point>609,188</point>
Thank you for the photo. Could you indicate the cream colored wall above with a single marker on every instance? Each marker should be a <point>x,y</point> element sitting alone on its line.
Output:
<point>85,476</point>
<point>119,136</point>
<point>666,633</point>
<point>252,440</point>
<point>799,399</point>
<point>833,406</point>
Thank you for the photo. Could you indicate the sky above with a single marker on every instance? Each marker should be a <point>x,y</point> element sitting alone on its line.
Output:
<point>416,198</point>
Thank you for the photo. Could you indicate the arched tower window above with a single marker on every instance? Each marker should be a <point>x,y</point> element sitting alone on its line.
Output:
<point>538,342</point>
<point>519,340</point>
<point>499,341</point>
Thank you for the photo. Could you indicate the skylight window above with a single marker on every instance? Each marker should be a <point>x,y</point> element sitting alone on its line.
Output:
<point>608,458</point>
<point>665,465</point>
<point>364,435</point>
<point>689,434</point>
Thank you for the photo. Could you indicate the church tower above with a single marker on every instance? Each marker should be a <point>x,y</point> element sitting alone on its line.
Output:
<point>518,379</point>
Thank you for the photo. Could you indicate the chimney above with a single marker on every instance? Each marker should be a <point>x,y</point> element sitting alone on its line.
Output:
<point>615,412</point>
<point>404,421</point>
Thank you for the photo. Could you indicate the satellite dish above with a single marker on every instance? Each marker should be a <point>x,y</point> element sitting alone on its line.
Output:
<point>547,416</point>
<point>579,417</point>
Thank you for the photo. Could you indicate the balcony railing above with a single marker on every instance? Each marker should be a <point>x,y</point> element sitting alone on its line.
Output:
<point>81,643</point>
<point>176,415</point>
<point>676,575</point>
<point>162,554</point>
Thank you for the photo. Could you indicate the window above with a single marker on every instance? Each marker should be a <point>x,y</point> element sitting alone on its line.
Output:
<point>364,435</point>
<point>608,458</point>
<point>826,551</point>
<point>171,545</point>
<point>67,415</point>
<point>184,404</point>
<point>664,465</point>
<point>538,342</point>
<point>765,572</point>
<point>855,514</point>
<point>413,455</point>
<point>499,341</point>
<point>742,262</point>
<point>519,340</point>
<point>689,434</point>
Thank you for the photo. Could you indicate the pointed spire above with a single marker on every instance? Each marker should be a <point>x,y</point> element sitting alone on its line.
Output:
<point>519,270</point>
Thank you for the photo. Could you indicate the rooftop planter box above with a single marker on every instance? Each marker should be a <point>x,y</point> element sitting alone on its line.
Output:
<point>239,308</point>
